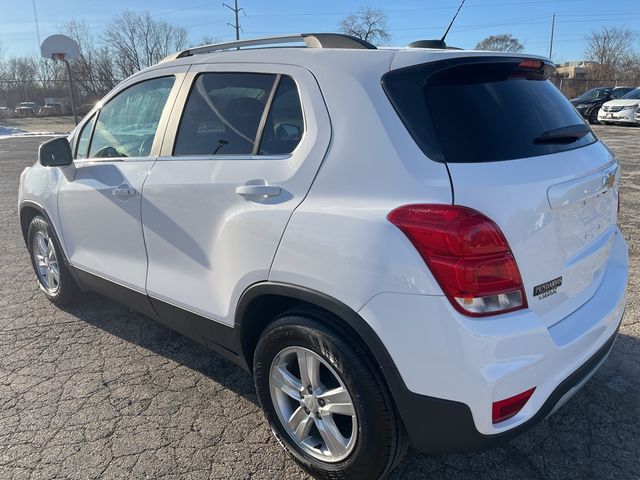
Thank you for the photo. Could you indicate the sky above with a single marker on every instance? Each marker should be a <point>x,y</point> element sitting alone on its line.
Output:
<point>527,20</point>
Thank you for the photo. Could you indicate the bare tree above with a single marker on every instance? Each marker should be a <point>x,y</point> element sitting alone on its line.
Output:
<point>608,49</point>
<point>137,40</point>
<point>629,71</point>
<point>504,42</point>
<point>19,79</point>
<point>95,69</point>
<point>206,40</point>
<point>368,24</point>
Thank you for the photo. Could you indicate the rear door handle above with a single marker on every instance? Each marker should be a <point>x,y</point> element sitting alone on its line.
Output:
<point>258,191</point>
<point>124,190</point>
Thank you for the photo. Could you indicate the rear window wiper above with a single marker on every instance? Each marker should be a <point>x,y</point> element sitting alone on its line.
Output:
<point>568,134</point>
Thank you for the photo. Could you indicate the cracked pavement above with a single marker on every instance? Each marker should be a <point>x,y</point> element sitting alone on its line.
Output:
<point>99,391</point>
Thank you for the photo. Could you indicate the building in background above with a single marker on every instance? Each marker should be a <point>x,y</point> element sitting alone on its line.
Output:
<point>580,70</point>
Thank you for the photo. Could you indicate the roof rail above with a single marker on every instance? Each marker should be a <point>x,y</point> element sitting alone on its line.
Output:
<point>312,40</point>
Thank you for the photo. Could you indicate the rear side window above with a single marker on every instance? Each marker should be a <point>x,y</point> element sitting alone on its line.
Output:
<point>484,111</point>
<point>223,113</point>
<point>285,125</point>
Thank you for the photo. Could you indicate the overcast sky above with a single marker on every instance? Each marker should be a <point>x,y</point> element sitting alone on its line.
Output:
<point>527,20</point>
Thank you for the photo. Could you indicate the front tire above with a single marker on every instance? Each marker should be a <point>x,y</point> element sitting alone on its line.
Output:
<point>593,117</point>
<point>54,278</point>
<point>325,401</point>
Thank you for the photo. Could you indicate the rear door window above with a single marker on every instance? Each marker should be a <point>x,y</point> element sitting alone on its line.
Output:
<point>223,114</point>
<point>479,111</point>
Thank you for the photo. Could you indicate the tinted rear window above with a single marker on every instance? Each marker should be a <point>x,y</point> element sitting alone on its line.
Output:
<point>479,111</point>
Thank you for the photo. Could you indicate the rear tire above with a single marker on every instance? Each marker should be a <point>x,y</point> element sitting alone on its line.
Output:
<point>54,278</point>
<point>371,437</point>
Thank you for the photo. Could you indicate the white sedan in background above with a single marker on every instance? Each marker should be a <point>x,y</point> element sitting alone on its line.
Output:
<point>623,110</point>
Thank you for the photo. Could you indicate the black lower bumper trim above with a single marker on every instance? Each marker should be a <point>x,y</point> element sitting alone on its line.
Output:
<point>444,426</point>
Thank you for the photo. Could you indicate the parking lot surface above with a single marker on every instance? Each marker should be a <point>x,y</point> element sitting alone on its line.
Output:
<point>98,391</point>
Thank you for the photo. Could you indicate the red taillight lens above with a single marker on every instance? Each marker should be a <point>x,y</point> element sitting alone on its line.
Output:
<point>507,408</point>
<point>467,254</point>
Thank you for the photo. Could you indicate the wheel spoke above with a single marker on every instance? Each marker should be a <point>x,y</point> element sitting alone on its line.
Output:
<point>54,273</point>
<point>284,380</point>
<point>309,368</point>
<point>337,401</point>
<point>300,423</point>
<point>40,260</point>
<point>42,245</point>
<point>332,437</point>
<point>51,252</point>
<point>46,276</point>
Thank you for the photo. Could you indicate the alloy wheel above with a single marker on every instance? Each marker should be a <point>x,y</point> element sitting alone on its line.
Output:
<point>313,404</point>
<point>46,261</point>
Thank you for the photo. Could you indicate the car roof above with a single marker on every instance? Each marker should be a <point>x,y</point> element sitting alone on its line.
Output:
<point>388,57</point>
<point>328,49</point>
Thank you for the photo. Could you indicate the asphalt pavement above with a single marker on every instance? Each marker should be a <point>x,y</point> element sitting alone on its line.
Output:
<point>99,391</point>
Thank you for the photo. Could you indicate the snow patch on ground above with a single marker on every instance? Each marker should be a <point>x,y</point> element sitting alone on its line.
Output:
<point>10,131</point>
<point>6,132</point>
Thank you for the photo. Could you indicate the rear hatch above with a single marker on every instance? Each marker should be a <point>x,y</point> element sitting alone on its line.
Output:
<point>518,152</point>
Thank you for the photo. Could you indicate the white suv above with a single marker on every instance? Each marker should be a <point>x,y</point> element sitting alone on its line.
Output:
<point>390,273</point>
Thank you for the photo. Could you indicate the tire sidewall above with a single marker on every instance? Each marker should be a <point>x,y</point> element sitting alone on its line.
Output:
<point>368,459</point>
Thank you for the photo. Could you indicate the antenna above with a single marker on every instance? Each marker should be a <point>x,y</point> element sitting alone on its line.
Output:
<point>452,20</point>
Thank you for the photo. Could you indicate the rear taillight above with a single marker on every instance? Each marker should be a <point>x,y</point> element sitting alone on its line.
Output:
<point>505,409</point>
<point>467,254</point>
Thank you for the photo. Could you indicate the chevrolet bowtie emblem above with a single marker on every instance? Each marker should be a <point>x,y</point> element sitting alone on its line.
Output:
<point>608,180</point>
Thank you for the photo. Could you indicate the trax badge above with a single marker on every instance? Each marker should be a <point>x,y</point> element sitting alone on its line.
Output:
<point>546,289</point>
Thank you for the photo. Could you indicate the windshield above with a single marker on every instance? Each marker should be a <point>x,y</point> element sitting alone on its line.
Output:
<point>632,95</point>
<point>595,93</point>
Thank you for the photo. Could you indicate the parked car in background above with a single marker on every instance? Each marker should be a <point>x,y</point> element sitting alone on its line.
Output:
<point>51,109</point>
<point>26,109</point>
<point>590,102</point>
<point>86,108</point>
<point>5,112</point>
<point>622,111</point>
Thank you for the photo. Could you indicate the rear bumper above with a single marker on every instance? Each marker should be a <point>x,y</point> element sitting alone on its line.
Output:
<point>444,426</point>
<point>450,369</point>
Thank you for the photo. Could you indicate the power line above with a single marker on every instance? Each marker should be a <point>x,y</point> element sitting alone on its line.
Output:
<point>401,10</point>
<point>177,10</point>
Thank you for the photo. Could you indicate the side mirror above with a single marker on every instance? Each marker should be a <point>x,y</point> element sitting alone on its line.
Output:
<point>55,153</point>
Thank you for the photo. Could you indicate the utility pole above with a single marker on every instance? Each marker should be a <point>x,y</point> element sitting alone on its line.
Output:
<point>553,27</point>
<point>35,17</point>
<point>236,11</point>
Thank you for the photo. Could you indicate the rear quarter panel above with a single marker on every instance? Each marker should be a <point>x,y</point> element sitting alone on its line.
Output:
<point>338,240</point>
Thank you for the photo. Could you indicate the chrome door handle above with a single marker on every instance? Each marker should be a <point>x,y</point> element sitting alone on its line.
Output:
<point>258,191</point>
<point>124,191</point>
